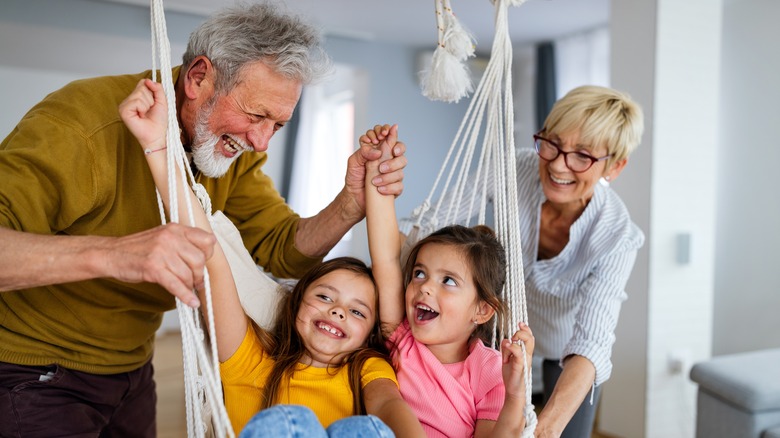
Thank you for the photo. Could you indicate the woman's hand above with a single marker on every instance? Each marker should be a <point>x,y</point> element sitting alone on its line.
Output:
<point>145,113</point>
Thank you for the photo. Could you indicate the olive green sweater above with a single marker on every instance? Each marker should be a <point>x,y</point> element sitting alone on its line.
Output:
<point>71,167</point>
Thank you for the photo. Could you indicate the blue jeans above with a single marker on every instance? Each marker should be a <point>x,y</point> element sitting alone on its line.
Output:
<point>293,421</point>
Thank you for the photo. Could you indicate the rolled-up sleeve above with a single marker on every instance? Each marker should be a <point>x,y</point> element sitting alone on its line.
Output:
<point>603,292</point>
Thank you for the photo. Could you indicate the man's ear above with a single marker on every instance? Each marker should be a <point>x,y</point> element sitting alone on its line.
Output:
<point>484,312</point>
<point>199,78</point>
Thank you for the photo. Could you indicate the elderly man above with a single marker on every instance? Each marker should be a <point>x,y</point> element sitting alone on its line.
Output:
<point>84,266</point>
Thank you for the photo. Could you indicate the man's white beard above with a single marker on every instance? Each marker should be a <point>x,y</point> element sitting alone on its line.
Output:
<point>204,146</point>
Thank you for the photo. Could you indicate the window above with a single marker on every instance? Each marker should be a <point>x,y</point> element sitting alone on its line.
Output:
<point>325,139</point>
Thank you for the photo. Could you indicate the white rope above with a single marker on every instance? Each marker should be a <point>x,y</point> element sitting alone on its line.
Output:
<point>203,389</point>
<point>490,116</point>
<point>448,78</point>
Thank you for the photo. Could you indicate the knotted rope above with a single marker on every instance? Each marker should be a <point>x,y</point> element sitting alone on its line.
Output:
<point>203,389</point>
<point>490,115</point>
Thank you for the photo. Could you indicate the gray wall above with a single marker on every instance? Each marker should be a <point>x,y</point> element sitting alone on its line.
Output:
<point>46,44</point>
<point>426,127</point>
<point>747,287</point>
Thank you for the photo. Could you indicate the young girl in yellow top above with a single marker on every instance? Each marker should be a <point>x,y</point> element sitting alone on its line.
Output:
<point>323,351</point>
<point>434,313</point>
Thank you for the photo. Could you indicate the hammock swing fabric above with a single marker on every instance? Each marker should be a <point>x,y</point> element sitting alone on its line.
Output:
<point>447,80</point>
<point>490,116</point>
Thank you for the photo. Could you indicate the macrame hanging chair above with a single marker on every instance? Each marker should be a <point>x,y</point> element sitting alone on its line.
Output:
<point>489,118</point>
<point>447,80</point>
<point>205,409</point>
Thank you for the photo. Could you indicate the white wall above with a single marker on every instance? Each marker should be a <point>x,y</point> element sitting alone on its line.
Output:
<point>706,73</point>
<point>683,201</point>
<point>622,410</point>
<point>747,287</point>
<point>667,54</point>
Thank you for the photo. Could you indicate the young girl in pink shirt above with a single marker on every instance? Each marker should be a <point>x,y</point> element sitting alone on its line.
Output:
<point>456,385</point>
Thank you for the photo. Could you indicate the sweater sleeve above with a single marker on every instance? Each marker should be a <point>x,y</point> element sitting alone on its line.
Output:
<point>37,166</point>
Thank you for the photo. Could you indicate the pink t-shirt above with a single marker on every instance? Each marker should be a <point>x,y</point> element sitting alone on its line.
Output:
<point>447,398</point>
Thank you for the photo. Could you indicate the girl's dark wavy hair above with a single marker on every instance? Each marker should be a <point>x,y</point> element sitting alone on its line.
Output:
<point>487,259</point>
<point>284,345</point>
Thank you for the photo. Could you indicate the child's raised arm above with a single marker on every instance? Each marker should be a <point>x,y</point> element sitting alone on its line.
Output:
<point>145,113</point>
<point>384,241</point>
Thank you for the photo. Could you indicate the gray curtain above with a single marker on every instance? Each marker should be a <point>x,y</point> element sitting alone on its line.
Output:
<point>545,81</point>
<point>289,149</point>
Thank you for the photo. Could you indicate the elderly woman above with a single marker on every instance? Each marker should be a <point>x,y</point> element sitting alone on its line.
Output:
<point>579,246</point>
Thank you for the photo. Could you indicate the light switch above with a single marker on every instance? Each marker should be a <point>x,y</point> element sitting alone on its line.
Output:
<point>683,248</point>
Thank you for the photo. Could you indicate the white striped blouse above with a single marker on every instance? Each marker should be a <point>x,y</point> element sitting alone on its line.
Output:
<point>574,298</point>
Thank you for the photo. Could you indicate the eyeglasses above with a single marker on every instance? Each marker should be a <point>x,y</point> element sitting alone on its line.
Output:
<point>577,162</point>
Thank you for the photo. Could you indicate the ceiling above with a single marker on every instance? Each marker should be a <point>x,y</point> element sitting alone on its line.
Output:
<point>413,22</point>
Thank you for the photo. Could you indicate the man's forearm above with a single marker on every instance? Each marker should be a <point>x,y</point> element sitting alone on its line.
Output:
<point>572,387</point>
<point>318,234</point>
<point>170,255</point>
<point>30,260</point>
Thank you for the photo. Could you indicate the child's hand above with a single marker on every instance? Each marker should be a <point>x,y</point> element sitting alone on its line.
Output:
<point>376,135</point>
<point>384,138</point>
<point>145,113</point>
<point>512,355</point>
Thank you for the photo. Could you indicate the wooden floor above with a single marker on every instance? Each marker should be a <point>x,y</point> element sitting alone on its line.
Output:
<point>168,374</point>
<point>171,419</point>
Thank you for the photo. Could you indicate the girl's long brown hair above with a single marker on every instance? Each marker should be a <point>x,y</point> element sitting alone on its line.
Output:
<point>284,345</point>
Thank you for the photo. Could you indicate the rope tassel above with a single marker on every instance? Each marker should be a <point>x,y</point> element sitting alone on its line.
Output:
<point>448,79</point>
<point>456,38</point>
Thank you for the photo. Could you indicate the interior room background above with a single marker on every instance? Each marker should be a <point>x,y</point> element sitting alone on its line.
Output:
<point>706,75</point>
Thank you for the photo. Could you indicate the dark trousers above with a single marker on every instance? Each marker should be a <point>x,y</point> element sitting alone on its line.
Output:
<point>581,424</point>
<point>53,401</point>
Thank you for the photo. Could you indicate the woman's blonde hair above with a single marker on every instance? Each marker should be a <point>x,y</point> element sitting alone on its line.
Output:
<point>602,116</point>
